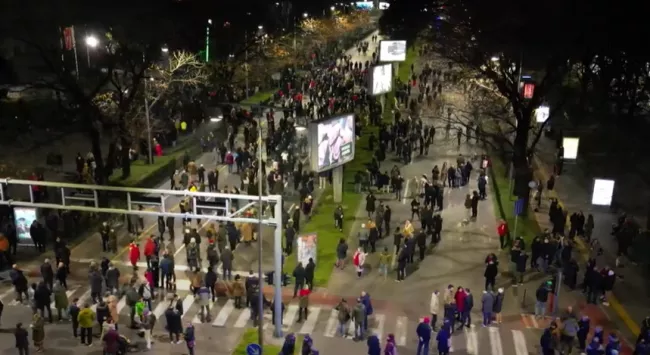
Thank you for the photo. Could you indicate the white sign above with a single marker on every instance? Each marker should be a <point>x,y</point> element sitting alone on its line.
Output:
<point>306,245</point>
<point>23,219</point>
<point>382,79</point>
<point>542,113</point>
<point>570,147</point>
<point>603,192</point>
<point>392,51</point>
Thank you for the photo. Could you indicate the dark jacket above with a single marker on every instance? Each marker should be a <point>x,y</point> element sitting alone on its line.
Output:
<point>541,294</point>
<point>173,319</point>
<point>424,331</point>
<point>22,338</point>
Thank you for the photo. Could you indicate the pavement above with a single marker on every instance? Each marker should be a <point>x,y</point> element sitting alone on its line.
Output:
<point>631,295</point>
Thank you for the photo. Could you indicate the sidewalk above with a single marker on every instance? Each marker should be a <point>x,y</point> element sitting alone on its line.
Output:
<point>631,288</point>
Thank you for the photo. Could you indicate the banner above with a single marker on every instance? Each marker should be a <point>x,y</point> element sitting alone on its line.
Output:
<point>306,248</point>
<point>68,38</point>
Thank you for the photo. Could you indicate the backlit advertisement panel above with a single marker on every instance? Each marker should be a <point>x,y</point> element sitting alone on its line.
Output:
<point>392,51</point>
<point>382,79</point>
<point>335,142</point>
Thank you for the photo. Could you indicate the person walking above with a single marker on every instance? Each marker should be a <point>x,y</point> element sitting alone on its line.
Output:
<point>148,323</point>
<point>22,341</point>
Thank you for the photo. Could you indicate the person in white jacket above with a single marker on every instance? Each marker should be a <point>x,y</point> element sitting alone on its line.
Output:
<point>434,306</point>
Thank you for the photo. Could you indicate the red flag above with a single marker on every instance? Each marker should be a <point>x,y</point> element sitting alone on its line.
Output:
<point>68,38</point>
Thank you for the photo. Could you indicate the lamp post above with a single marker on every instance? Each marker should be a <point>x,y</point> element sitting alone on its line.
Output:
<point>207,40</point>
<point>148,119</point>
<point>91,42</point>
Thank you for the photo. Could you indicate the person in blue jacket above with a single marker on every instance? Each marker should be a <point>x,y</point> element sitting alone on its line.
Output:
<point>424,336</point>
<point>307,344</point>
<point>365,299</point>
<point>443,338</point>
<point>583,331</point>
<point>374,347</point>
<point>599,334</point>
<point>613,344</point>
<point>289,346</point>
<point>595,348</point>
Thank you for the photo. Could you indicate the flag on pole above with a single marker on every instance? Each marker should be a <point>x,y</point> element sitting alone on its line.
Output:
<point>68,38</point>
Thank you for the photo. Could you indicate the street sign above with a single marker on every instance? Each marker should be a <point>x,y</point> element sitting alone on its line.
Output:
<point>254,349</point>
<point>519,207</point>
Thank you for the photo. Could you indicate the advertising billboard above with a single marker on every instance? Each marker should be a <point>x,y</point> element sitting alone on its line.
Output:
<point>603,192</point>
<point>23,219</point>
<point>382,79</point>
<point>335,142</point>
<point>570,148</point>
<point>306,248</point>
<point>392,51</point>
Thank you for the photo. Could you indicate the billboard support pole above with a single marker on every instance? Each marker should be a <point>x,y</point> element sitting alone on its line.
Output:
<point>337,183</point>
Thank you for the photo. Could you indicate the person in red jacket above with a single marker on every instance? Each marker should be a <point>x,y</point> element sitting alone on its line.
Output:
<point>149,250</point>
<point>502,230</point>
<point>303,303</point>
<point>134,255</point>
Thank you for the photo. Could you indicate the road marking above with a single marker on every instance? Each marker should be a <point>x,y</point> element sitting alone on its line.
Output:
<point>378,330</point>
<point>520,342</point>
<point>290,316</point>
<point>188,301</point>
<point>7,293</point>
<point>160,309</point>
<point>310,323</point>
<point>472,341</point>
<point>120,305</point>
<point>495,341</point>
<point>225,311</point>
<point>406,191</point>
<point>400,331</point>
<point>534,321</point>
<point>243,318</point>
<point>332,322</point>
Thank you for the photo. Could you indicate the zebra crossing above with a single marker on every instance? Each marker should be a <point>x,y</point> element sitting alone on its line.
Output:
<point>322,320</point>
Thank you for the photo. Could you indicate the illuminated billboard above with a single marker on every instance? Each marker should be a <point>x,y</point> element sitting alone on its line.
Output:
<point>570,146</point>
<point>392,51</point>
<point>603,192</point>
<point>334,140</point>
<point>382,79</point>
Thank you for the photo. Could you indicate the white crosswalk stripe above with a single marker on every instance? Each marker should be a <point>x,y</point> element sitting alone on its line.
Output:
<point>321,320</point>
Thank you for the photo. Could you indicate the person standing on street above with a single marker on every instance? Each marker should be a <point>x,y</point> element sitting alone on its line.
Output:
<point>22,341</point>
<point>487,301</point>
<point>299,276</point>
<point>424,336</point>
<point>38,332</point>
<point>86,319</point>
<point>190,339</point>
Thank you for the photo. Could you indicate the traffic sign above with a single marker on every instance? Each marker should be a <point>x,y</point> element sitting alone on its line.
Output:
<point>519,207</point>
<point>254,349</point>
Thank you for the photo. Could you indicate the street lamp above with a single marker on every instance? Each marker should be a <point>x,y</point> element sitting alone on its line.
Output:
<point>332,8</point>
<point>260,27</point>
<point>494,59</point>
<point>305,15</point>
<point>164,49</point>
<point>91,42</point>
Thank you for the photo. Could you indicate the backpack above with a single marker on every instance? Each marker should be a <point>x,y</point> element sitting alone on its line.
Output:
<point>146,292</point>
<point>356,259</point>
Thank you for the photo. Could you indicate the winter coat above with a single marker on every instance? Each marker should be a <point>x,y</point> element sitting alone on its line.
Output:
<point>102,311</point>
<point>86,318</point>
<point>341,250</point>
<point>60,297</point>
<point>498,303</point>
<point>96,281</point>
<point>204,296</point>
<point>469,302</point>
<point>460,301</point>
<point>359,313</point>
<point>443,338</point>
<point>112,308</point>
<point>237,289</point>
<point>173,318</point>
<point>38,329</point>
<point>367,304</point>
<point>374,347</point>
<point>134,254</point>
<point>424,331</point>
<point>487,302</point>
<point>434,306</point>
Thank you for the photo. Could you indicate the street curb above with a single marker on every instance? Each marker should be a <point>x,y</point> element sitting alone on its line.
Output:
<point>583,250</point>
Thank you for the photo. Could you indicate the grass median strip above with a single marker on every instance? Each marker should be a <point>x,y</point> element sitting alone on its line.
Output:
<point>322,221</point>
<point>504,205</point>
